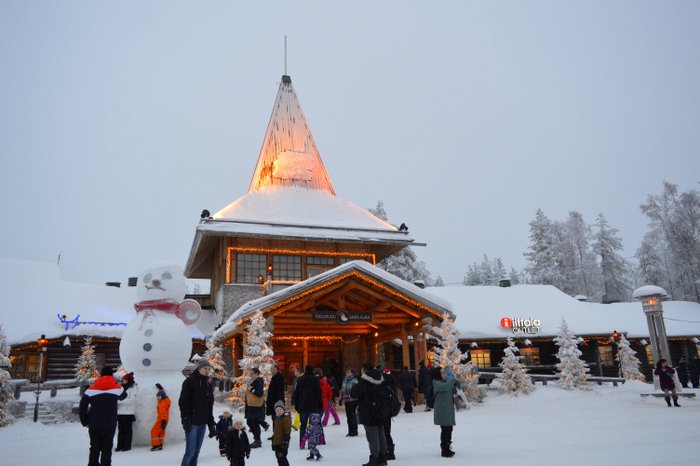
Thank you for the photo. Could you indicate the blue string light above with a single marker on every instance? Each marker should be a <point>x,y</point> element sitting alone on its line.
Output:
<point>75,322</point>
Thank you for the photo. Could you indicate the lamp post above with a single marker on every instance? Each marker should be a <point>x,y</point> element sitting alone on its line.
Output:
<point>41,347</point>
<point>651,297</point>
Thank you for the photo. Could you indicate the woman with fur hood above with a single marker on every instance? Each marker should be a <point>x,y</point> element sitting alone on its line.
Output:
<point>363,392</point>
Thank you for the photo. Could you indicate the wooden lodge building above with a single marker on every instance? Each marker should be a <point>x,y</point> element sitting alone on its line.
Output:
<point>293,250</point>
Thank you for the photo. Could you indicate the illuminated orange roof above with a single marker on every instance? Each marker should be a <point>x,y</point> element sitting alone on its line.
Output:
<point>289,156</point>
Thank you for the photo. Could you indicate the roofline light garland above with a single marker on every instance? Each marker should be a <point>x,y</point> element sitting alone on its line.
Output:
<point>291,252</point>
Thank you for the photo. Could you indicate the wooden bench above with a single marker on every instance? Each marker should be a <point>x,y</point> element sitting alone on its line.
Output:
<point>661,395</point>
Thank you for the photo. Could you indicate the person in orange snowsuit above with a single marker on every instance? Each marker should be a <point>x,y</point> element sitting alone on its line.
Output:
<point>162,418</point>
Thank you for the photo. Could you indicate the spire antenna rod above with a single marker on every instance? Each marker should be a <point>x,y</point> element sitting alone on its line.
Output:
<point>285,55</point>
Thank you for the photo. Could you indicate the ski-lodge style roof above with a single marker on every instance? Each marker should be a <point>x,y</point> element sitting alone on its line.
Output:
<point>291,197</point>
<point>353,286</point>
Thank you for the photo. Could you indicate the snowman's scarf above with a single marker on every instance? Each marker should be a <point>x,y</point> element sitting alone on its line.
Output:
<point>165,305</point>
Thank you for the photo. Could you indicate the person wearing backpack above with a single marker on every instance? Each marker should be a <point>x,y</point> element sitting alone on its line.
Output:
<point>444,408</point>
<point>370,415</point>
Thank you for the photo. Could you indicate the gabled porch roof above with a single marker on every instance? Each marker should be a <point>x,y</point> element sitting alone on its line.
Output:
<point>355,286</point>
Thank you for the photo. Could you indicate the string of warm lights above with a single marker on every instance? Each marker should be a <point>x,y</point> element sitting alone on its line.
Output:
<point>75,322</point>
<point>291,252</point>
<point>328,338</point>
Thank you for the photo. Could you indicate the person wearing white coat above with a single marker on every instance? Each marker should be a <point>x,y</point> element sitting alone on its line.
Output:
<point>126,414</point>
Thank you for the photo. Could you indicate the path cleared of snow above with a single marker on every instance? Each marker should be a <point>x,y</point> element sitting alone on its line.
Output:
<point>611,425</point>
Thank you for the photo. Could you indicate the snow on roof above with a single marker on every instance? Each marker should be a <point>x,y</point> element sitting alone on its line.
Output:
<point>479,310</point>
<point>301,208</point>
<point>34,294</point>
<point>422,296</point>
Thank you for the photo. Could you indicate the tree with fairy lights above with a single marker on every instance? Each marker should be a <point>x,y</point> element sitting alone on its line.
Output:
<point>573,371</point>
<point>449,355</point>
<point>86,367</point>
<point>629,364</point>
<point>257,353</point>
<point>513,378</point>
<point>6,391</point>
<point>213,354</point>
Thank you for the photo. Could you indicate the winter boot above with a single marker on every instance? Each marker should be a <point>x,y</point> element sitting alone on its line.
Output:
<point>318,457</point>
<point>446,452</point>
<point>256,444</point>
<point>668,400</point>
<point>157,448</point>
<point>675,402</point>
<point>381,461</point>
<point>310,457</point>
<point>390,454</point>
<point>372,461</point>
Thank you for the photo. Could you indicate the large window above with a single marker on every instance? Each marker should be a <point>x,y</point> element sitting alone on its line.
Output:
<point>249,267</point>
<point>318,264</point>
<point>286,268</point>
<point>531,356</point>
<point>606,355</point>
<point>481,357</point>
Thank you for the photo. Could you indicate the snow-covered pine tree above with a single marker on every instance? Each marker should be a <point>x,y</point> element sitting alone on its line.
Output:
<point>257,353</point>
<point>86,367</point>
<point>214,355</point>
<point>439,281</point>
<point>614,268</point>
<point>626,357</point>
<point>448,354</point>
<point>6,392</point>
<point>573,371</point>
<point>540,256</point>
<point>513,378</point>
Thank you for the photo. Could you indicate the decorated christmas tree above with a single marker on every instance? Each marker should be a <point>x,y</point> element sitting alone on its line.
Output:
<point>257,353</point>
<point>86,368</point>
<point>449,355</point>
<point>6,391</point>
<point>573,371</point>
<point>629,364</point>
<point>214,355</point>
<point>514,379</point>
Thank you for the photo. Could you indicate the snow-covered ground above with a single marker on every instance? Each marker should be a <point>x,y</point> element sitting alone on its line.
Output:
<point>607,425</point>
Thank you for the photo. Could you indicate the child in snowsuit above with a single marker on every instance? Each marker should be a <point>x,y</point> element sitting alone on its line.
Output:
<point>237,445</point>
<point>314,434</point>
<point>281,432</point>
<point>222,431</point>
<point>162,417</point>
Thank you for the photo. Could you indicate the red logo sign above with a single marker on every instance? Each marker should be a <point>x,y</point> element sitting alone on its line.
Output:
<point>506,322</point>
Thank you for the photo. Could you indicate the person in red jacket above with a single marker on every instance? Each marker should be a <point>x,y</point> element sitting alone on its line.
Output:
<point>98,412</point>
<point>327,399</point>
<point>162,418</point>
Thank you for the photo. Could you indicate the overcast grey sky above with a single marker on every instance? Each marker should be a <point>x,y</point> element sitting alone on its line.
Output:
<point>121,121</point>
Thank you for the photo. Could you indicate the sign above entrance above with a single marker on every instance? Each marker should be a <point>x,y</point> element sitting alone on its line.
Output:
<point>342,316</point>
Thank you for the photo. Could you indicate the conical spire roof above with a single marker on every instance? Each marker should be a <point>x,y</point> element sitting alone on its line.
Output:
<point>289,156</point>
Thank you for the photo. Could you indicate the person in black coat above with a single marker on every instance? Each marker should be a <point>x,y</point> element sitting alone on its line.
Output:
<point>196,411</point>
<point>98,412</point>
<point>307,398</point>
<point>694,368</point>
<point>237,444</point>
<point>683,372</point>
<point>425,383</point>
<point>275,391</point>
<point>374,428</point>
<point>407,383</point>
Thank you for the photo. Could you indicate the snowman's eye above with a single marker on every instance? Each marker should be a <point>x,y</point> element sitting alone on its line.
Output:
<point>166,276</point>
<point>147,278</point>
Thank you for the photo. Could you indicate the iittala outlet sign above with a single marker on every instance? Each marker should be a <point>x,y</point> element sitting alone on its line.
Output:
<point>520,326</point>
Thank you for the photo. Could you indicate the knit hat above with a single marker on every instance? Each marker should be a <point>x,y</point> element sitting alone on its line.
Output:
<point>161,394</point>
<point>203,363</point>
<point>279,404</point>
<point>107,370</point>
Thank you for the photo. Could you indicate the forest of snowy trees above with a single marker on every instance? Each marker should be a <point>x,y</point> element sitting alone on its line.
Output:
<point>582,258</point>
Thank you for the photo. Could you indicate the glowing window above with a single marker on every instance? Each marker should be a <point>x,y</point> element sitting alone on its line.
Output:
<point>606,355</point>
<point>650,354</point>
<point>531,356</point>
<point>481,357</point>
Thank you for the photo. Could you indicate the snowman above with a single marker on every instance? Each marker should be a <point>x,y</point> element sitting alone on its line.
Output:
<point>156,345</point>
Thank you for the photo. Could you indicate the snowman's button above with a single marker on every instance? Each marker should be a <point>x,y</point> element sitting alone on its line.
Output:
<point>147,347</point>
<point>148,333</point>
<point>146,362</point>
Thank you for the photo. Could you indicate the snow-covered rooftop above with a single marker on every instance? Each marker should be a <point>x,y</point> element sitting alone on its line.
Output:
<point>479,310</point>
<point>408,289</point>
<point>34,294</point>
